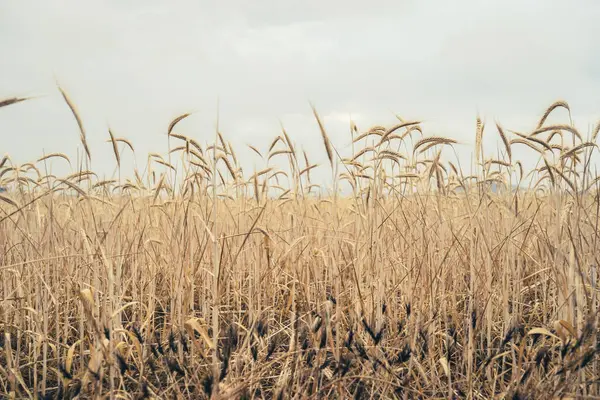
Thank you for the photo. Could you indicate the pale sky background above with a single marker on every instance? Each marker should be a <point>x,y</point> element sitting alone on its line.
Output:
<point>134,65</point>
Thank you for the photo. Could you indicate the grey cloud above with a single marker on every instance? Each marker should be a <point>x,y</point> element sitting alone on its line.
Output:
<point>135,65</point>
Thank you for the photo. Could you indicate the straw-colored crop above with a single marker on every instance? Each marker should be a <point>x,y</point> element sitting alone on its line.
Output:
<point>412,279</point>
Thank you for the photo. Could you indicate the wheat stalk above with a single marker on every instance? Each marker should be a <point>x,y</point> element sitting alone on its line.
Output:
<point>79,123</point>
<point>551,108</point>
<point>326,141</point>
<point>115,148</point>
<point>12,100</point>
<point>433,140</point>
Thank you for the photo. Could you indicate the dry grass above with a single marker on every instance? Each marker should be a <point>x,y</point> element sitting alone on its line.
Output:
<point>421,283</point>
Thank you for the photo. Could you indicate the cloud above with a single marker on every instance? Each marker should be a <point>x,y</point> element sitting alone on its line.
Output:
<point>135,65</point>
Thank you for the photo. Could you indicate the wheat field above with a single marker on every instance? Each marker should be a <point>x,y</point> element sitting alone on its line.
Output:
<point>192,278</point>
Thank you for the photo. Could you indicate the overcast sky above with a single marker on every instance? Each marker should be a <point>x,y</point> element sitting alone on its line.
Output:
<point>134,65</point>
